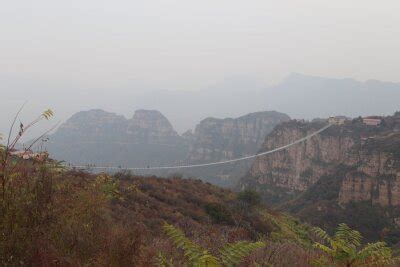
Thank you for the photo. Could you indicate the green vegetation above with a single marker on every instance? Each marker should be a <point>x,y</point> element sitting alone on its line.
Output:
<point>344,249</point>
<point>218,213</point>
<point>250,197</point>
<point>195,255</point>
<point>289,228</point>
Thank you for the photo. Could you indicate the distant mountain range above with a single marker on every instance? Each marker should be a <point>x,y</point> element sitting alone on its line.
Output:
<point>299,96</point>
<point>309,97</point>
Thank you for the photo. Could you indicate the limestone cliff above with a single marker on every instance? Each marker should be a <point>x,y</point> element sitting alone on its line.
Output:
<point>294,170</point>
<point>223,139</point>
<point>349,173</point>
<point>376,174</point>
<point>150,126</point>
<point>232,137</point>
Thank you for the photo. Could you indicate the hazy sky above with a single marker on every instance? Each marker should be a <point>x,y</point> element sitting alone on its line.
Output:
<point>76,47</point>
<point>190,44</point>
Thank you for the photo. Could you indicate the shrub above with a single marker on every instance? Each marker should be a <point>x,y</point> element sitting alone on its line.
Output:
<point>344,248</point>
<point>218,213</point>
<point>250,197</point>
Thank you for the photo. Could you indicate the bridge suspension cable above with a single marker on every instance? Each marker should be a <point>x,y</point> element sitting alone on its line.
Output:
<point>207,164</point>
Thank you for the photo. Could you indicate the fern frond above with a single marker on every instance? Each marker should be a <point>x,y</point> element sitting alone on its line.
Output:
<point>348,235</point>
<point>207,260</point>
<point>233,254</point>
<point>322,234</point>
<point>193,253</point>
<point>324,248</point>
<point>344,249</point>
<point>162,261</point>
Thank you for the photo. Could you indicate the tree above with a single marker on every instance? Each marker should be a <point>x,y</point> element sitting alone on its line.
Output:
<point>344,249</point>
<point>218,213</point>
<point>195,255</point>
<point>250,197</point>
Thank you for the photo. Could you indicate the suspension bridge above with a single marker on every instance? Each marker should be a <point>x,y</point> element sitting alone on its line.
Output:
<point>205,164</point>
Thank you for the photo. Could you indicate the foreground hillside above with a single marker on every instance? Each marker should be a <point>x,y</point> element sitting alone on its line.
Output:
<point>52,216</point>
<point>349,173</point>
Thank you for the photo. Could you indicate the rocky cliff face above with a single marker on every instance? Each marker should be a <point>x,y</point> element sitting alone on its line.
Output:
<point>346,170</point>
<point>376,174</point>
<point>224,139</point>
<point>295,169</point>
<point>148,139</point>
<point>230,138</point>
<point>150,126</point>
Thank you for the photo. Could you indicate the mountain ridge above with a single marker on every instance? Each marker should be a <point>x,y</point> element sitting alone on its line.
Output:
<point>231,98</point>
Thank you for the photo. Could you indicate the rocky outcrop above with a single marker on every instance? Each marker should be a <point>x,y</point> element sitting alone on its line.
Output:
<point>376,177</point>
<point>295,169</point>
<point>300,166</point>
<point>224,139</point>
<point>150,126</point>
<point>354,144</point>
<point>232,137</point>
<point>348,173</point>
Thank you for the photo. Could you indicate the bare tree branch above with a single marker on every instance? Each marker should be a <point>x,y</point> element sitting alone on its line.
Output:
<point>44,134</point>
<point>13,123</point>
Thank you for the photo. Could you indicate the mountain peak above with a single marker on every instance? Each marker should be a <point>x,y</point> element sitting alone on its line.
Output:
<point>93,116</point>
<point>151,112</point>
<point>150,119</point>
<point>299,77</point>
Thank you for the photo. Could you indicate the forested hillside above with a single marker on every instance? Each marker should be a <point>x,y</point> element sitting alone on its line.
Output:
<point>69,218</point>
